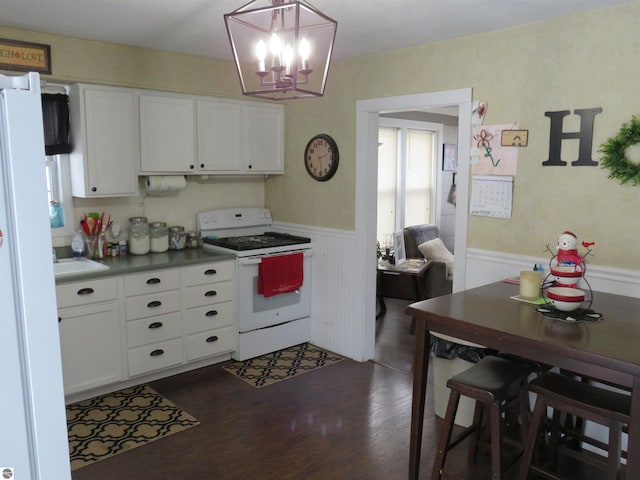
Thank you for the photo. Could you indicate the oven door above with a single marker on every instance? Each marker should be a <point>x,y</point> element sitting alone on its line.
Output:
<point>257,311</point>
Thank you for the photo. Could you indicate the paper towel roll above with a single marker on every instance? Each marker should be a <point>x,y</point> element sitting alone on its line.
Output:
<point>165,184</point>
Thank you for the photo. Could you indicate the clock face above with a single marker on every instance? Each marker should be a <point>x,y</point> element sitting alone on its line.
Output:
<point>321,157</point>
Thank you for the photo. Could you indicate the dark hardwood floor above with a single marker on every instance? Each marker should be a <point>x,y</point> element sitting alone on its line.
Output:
<point>346,421</point>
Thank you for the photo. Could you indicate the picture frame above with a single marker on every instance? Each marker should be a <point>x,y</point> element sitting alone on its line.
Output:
<point>449,157</point>
<point>514,138</point>
<point>399,252</point>
<point>25,56</point>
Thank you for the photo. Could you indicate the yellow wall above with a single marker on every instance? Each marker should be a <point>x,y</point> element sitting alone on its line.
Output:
<point>582,61</point>
<point>76,60</point>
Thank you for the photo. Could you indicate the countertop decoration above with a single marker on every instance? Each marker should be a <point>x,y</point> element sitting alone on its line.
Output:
<point>615,153</point>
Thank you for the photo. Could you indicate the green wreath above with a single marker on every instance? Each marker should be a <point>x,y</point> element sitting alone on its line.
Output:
<point>614,153</point>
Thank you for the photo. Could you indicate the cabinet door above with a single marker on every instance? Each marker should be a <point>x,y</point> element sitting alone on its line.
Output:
<point>91,347</point>
<point>219,136</point>
<point>264,138</point>
<point>167,134</point>
<point>106,152</point>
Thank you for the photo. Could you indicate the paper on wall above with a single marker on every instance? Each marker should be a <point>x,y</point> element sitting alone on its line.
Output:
<point>488,157</point>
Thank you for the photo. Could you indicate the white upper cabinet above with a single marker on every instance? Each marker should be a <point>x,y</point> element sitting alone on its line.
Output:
<point>120,133</point>
<point>188,134</point>
<point>219,136</point>
<point>167,134</point>
<point>264,138</point>
<point>104,129</point>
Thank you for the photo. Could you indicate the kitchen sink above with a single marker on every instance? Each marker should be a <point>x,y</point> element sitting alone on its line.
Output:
<point>74,266</point>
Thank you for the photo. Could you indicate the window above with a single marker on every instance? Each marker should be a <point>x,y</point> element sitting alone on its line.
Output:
<point>407,160</point>
<point>59,195</point>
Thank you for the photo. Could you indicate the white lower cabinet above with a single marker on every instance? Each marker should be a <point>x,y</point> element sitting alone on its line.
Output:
<point>155,357</point>
<point>90,335</point>
<point>154,330</point>
<point>209,343</point>
<point>210,309</point>
<point>160,320</point>
<point>153,311</point>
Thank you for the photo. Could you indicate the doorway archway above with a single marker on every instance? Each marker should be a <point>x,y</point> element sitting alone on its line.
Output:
<point>367,115</point>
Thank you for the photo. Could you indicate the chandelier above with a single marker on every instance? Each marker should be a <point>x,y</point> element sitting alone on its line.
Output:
<point>281,49</point>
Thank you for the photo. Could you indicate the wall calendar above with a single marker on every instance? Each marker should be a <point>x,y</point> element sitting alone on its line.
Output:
<point>492,195</point>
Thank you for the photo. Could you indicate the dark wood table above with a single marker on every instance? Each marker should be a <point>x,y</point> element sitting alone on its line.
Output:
<point>401,281</point>
<point>608,350</point>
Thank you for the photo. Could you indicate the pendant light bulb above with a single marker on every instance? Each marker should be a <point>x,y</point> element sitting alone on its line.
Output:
<point>261,53</point>
<point>304,49</point>
<point>276,49</point>
<point>287,57</point>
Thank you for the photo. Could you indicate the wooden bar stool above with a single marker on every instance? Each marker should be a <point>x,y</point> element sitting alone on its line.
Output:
<point>494,383</point>
<point>585,401</point>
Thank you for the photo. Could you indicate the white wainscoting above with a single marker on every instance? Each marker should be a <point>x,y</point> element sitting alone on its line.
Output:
<point>333,312</point>
<point>486,266</point>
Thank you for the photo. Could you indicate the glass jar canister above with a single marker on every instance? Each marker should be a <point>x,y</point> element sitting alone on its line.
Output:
<point>159,234</point>
<point>194,239</point>
<point>177,238</point>
<point>139,242</point>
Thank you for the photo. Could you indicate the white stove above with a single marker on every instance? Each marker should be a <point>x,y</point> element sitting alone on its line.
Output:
<point>265,324</point>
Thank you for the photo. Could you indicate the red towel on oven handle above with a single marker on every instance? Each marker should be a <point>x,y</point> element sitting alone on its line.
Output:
<point>280,274</point>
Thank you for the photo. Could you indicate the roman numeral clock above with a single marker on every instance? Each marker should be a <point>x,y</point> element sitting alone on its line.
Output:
<point>321,157</point>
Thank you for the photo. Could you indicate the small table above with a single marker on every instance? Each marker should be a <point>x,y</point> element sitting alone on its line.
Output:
<point>607,350</point>
<point>402,281</point>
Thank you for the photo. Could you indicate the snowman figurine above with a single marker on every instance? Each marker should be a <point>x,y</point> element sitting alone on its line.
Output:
<point>568,250</point>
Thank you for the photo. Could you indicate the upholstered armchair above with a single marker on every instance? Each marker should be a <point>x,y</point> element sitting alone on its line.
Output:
<point>424,241</point>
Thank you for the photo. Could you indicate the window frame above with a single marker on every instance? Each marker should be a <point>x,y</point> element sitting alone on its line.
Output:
<point>64,185</point>
<point>438,130</point>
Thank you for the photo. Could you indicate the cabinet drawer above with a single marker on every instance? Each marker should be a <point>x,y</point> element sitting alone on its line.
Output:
<point>209,272</point>
<point>149,282</point>
<point>154,357</point>
<point>149,305</point>
<point>210,316</point>
<point>208,294</point>
<point>86,292</point>
<point>211,343</point>
<point>154,329</point>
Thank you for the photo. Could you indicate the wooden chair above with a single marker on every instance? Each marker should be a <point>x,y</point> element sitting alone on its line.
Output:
<point>585,401</point>
<point>495,384</point>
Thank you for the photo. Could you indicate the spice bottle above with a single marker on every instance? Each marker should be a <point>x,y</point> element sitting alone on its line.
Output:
<point>194,239</point>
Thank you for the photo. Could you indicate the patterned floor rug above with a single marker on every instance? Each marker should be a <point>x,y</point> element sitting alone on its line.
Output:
<point>103,426</point>
<point>281,365</point>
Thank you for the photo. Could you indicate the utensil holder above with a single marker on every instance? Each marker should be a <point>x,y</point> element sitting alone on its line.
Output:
<point>93,246</point>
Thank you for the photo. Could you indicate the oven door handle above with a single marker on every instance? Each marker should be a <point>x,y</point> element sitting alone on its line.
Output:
<point>257,260</point>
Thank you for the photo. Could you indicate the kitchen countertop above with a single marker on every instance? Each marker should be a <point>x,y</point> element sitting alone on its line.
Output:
<point>124,264</point>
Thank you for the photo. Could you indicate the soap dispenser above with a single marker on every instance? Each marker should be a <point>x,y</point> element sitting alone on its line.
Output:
<point>77,244</point>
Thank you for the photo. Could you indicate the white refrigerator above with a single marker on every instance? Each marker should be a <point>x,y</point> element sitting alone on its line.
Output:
<point>33,433</point>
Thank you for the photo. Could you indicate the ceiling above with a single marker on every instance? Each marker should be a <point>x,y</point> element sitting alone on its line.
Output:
<point>197,27</point>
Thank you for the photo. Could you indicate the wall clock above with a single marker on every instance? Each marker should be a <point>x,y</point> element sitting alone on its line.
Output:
<point>321,157</point>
